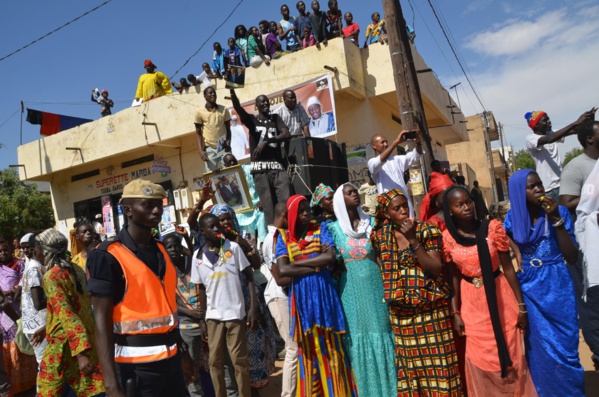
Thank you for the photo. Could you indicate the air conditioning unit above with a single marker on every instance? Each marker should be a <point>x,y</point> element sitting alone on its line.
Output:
<point>177,196</point>
<point>186,198</point>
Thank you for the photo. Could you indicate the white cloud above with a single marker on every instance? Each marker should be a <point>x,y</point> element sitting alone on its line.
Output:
<point>557,73</point>
<point>518,36</point>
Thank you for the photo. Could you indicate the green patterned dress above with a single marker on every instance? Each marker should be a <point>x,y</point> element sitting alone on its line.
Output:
<point>369,338</point>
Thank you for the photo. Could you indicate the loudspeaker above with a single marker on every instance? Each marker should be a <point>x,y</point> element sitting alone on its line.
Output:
<point>316,160</point>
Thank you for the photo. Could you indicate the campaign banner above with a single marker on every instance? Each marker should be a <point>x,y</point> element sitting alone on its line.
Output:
<point>315,96</point>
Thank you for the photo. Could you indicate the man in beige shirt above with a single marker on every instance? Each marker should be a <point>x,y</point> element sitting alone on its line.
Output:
<point>213,130</point>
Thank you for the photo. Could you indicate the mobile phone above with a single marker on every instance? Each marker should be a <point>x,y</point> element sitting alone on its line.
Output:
<point>411,135</point>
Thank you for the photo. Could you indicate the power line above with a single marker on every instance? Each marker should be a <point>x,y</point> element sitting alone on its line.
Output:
<point>55,30</point>
<point>209,37</point>
<point>11,116</point>
<point>456,56</point>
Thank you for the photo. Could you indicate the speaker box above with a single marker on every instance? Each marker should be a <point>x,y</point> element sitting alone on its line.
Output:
<point>316,160</point>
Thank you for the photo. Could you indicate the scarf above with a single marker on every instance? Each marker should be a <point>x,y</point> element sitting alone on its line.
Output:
<point>520,217</point>
<point>438,183</point>
<point>343,216</point>
<point>319,193</point>
<point>54,246</point>
<point>484,256</point>
<point>383,201</point>
<point>292,214</point>
<point>587,228</point>
<point>216,210</point>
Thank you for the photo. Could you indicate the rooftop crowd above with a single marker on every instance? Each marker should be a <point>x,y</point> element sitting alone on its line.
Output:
<point>367,298</point>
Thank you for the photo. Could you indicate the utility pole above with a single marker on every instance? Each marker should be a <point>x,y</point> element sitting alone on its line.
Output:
<point>489,150</point>
<point>506,166</point>
<point>406,83</point>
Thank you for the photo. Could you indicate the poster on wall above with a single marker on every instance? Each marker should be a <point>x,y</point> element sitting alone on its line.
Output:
<point>357,163</point>
<point>169,219</point>
<point>315,96</point>
<point>107,217</point>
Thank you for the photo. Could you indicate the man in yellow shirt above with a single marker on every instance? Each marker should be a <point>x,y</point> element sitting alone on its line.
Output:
<point>152,84</point>
<point>213,130</point>
<point>85,235</point>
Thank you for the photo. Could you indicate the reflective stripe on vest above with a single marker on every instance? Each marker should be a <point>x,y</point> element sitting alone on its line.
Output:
<point>148,306</point>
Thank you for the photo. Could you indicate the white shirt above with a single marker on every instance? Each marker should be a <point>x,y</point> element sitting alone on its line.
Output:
<point>225,300</point>
<point>272,290</point>
<point>547,161</point>
<point>388,175</point>
<point>32,319</point>
<point>239,141</point>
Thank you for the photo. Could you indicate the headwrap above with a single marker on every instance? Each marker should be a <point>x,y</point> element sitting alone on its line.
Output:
<point>383,201</point>
<point>220,209</point>
<point>486,266</point>
<point>54,246</point>
<point>292,213</point>
<point>319,193</point>
<point>25,238</point>
<point>147,63</point>
<point>438,183</point>
<point>104,91</point>
<point>342,215</point>
<point>532,118</point>
<point>520,217</point>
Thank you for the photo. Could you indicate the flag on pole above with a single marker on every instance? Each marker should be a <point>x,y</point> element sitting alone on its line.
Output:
<point>52,123</point>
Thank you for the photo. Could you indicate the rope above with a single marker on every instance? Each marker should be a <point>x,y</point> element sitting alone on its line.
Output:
<point>293,168</point>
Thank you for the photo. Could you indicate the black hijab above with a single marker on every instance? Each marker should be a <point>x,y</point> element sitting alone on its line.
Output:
<point>484,256</point>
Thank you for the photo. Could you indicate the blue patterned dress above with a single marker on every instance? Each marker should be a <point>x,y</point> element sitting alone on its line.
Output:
<point>368,338</point>
<point>552,335</point>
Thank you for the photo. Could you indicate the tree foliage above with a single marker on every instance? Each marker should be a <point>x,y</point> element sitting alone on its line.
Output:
<point>571,154</point>
<point>22,208</point>
<point>523,160</point>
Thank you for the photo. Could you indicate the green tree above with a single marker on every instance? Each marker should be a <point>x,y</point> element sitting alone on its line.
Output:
<point>22,207</point>
<point>571,154</point>
<point>522,160</point>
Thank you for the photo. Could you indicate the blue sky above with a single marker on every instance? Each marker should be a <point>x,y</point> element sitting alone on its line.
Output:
<point>538,55</point>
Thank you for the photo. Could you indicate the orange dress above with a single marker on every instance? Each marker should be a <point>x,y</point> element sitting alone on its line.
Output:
<point>483,372</point>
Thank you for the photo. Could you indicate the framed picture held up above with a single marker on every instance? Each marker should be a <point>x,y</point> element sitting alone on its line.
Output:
<point>230,187</point>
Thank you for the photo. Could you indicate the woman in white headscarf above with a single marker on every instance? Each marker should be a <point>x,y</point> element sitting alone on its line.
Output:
<point>369,338</point>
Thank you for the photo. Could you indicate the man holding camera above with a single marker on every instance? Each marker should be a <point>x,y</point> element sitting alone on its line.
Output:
<point>387,171</point>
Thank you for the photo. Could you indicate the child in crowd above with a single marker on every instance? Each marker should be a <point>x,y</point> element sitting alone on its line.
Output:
<point>218,60</point>
<point>288,30</point>
<point>334,18</point>
<point>273,47</point>
<point>256,50</point>
<point>352,30</point>
<point>264,30</point>
<point>376,31</point>
<point>308,39</point>
<point>318,21</point>
<point>235,62</point>
<point>215,268</point>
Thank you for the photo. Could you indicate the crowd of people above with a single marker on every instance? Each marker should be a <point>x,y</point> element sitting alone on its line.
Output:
<point>367,298</point>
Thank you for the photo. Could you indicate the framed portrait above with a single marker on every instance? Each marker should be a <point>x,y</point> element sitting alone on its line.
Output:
<point>230,187</point>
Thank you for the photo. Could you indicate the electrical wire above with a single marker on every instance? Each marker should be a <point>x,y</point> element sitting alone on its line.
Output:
<point>209,37</point>
<point>11,116</point>
<point>55,30</point>
<point>478,97</point>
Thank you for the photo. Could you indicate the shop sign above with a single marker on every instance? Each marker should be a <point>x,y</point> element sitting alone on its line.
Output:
<point>113,183</point>
<point>160,165</point>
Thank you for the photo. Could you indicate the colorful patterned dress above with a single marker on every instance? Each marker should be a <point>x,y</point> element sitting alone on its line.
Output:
<point>21,368</point>
<point>317,324</point>
<point>483,371</point>
<point>369,338</point>
<point>425,352</point>
<point>69,331</point>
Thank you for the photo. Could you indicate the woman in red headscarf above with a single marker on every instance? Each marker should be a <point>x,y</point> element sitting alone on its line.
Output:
<point>317,322</point>
<point>431,208</point>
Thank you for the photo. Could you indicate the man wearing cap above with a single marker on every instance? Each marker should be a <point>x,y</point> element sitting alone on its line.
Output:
<point>132,282</point>
<point>320,123</point>
<point>294,115</point>
<point>542,146</point>
<point>152,84</point>
<point>105,103</point>
<point>213,130</point>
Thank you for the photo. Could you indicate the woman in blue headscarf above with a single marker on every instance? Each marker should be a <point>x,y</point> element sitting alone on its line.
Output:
<point>544,233</point>
<point>261,341</point>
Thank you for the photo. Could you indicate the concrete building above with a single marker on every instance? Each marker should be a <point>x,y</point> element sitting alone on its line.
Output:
<point>476,156</point>
<point>88,166</point>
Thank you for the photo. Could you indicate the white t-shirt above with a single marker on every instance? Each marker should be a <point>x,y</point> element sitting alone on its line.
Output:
<point>272,290</point>
<point>239,141</point>
<point>547,160</point>
<point>388,175</point>
<point>223,288</point>
<point>32,319</point>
